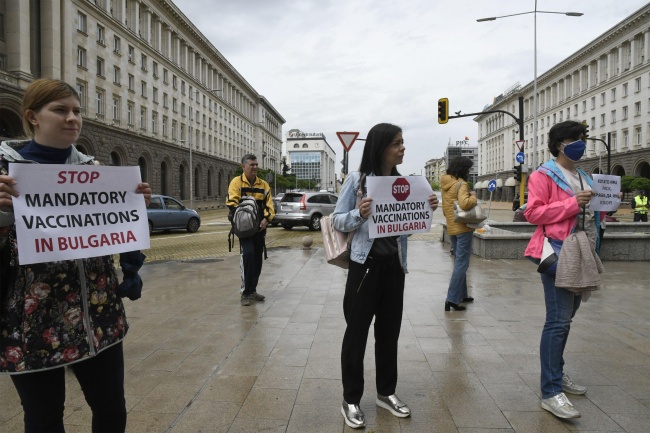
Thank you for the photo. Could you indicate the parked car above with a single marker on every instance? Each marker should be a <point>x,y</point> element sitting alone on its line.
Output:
<point>304,209</point>
<point>515,202</point>
<point>167,213</point>
<point>276,203</point>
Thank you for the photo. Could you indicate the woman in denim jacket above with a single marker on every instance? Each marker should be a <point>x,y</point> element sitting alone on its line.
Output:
<point>375,283</point>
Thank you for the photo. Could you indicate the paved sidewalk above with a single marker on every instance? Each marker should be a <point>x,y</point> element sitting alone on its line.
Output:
<point>199,362</point>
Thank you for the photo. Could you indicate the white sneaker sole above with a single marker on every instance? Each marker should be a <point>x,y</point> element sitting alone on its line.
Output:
<point>548,408</point>
<point>391,410</point>
<point>349,424</point>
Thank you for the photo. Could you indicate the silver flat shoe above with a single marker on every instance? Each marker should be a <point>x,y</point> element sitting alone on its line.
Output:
<point>560,406</point>
<point>353,415</point>
<point>396,406</point>
<point>571,387</point>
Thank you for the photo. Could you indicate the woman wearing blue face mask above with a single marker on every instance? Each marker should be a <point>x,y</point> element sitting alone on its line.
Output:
<point>558,194</point>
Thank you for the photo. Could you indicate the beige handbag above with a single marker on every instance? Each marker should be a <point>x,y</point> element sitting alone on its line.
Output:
<point>472,216</point>
<point>337,243</point>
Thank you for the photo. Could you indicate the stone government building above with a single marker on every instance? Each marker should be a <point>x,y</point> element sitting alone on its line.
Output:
<point>152,88</point>
<point>605,83</point>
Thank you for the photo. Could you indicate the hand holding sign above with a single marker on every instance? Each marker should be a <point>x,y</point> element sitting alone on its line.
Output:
<point>400,205</point>
<point>66,212</point>
<point>606,193</point>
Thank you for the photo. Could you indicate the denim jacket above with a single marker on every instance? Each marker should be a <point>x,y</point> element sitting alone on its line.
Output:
<point>346,219</point>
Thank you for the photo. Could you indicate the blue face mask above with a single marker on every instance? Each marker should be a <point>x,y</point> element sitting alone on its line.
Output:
<point>575,150</point>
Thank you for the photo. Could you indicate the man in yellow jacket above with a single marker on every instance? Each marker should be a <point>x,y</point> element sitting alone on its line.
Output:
<point>252,248</point>
<point>640,206</point>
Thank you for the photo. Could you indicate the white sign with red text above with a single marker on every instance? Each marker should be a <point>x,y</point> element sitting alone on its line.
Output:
<point>67,212</point>
<point>400,205</point>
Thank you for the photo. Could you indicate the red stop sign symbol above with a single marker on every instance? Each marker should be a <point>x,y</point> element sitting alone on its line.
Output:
<point>401,189</point>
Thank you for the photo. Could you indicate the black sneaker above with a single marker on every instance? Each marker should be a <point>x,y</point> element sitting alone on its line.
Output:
<point>257,297</point>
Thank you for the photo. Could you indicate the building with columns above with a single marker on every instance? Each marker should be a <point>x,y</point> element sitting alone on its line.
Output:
<point>606,83</point>
<point>312,158</point>
<point>434,169</point>
<point>154,91</point>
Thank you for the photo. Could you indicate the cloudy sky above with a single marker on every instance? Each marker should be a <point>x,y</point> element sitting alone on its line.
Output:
<point>346,65</point>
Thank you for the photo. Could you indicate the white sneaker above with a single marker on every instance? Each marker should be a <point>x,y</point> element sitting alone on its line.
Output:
<point>560,406</point>
<point>571,387</point>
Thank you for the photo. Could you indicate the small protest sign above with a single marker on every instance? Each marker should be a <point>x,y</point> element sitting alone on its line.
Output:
<point>67,212</point>
<point>399,205</point>
<point>606,188</point>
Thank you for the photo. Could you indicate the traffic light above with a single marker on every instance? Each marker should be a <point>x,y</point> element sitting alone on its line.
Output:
<point>344,169</point>
<point>586,126</point>
<point>517,171</point>
<point>443,110</point>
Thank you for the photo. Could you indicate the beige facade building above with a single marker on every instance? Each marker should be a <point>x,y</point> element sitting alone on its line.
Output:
<point>155,92</point>
<point>606,83</point>
<point>434,169</point>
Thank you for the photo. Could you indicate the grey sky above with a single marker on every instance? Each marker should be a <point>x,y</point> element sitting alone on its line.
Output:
<point>345,65</point>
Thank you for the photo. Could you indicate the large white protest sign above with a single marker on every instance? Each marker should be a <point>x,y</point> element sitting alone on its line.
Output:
<point>67,212</point>
<point>606,189</point>
<point>400,205</point>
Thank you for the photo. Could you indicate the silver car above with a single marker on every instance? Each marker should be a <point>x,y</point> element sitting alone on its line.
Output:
<point>304,209</point>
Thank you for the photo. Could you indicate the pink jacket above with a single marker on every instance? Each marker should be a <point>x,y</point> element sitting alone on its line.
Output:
<point>552,206</point>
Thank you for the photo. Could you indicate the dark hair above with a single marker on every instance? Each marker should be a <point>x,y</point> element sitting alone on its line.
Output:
<point>40,93</point>
<point>561,131</point>
<point>459,167</point>
<point>248,157</point>
<point>378,139</point>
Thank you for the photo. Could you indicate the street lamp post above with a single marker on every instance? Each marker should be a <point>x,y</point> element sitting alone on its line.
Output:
<point>534,12</point>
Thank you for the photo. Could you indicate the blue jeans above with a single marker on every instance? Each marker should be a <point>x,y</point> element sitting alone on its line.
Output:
<point>561,306</point>
<point>462,246</point>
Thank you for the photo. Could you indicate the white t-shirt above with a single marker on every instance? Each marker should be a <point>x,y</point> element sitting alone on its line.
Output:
<point>574,183</point>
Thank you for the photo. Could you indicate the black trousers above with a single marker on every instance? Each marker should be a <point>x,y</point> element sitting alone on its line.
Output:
<point>42,393</point>
<point>252,251</point>
<point>642,217</point>
<point>374,289</point>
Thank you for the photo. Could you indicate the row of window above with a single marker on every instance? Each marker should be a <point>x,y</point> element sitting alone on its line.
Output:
<point>497,122</point>
<point>230,94</point>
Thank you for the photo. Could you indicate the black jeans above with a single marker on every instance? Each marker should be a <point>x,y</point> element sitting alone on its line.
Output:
<point>42,393</point>
<point>375,288</point>
<point>252,250</point>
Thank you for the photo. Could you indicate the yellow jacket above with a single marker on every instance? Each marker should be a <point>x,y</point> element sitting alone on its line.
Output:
<point>449,196</point>
<point>259,190</point>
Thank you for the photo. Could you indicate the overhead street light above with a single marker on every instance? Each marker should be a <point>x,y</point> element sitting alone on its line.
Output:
<point>534,12</point>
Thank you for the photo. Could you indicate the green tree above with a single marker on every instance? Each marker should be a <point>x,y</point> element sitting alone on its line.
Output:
<point>435,186</point>
<point>626,184</point>
<point>640,183</point>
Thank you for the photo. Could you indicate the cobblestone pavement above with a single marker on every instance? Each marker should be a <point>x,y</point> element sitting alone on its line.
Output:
<point>199,362</point>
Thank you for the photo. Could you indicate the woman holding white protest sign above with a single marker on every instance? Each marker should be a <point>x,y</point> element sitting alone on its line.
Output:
<point>375,283</point>
<point>64,313</point>
<point>558,198</point>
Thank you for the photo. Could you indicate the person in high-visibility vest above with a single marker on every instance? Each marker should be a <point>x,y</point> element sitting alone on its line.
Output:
<point>640,206</point>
